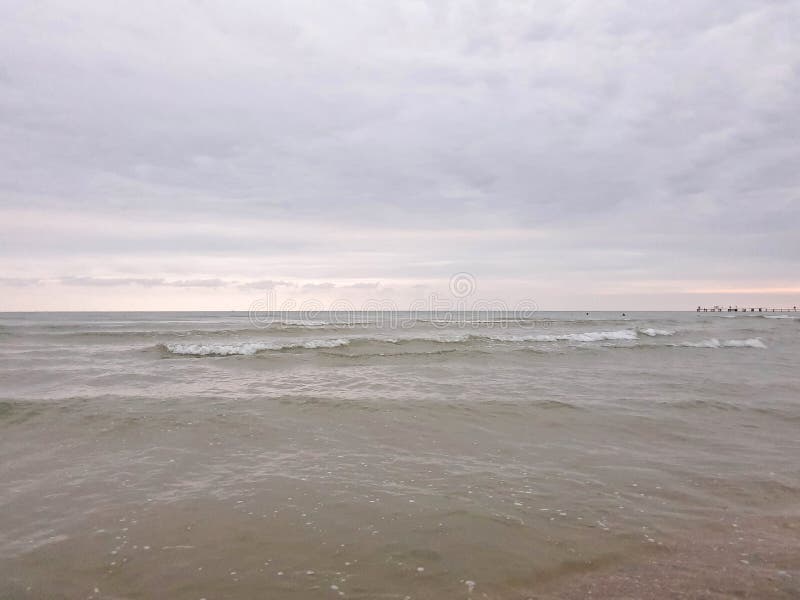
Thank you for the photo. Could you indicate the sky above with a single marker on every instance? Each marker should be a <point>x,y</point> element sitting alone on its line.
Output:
<point>581,154</point>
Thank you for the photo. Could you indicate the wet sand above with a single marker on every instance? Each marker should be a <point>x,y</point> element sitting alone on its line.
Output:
<point>213,549</point>
<point>747,557</point>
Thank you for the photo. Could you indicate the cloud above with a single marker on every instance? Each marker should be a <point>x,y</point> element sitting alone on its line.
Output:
<point>364,285</point>
<point>263,284</point>
<point>564,148</point>
<point>316,287</point>
<point>214,283</point>
<point>19,281</point>
<point>145,282</point>
<point>111,281</point>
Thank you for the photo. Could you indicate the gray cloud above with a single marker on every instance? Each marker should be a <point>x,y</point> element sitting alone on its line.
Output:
<point>364,285</point>
<point>110,281</point>
<point>567,146</point>
<point>145,282</point>
<point>19,281</point>
<point>264,284</point>
<point>213,283</point>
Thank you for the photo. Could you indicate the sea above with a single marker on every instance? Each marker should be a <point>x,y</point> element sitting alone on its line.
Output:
<point>392,455</point>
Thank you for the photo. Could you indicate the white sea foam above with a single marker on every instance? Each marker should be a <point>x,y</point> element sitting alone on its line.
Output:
<point>316,323</point>
<point>749,343</point>
<point>441,338</point>
<point>654,332</point>
<point>715,343</point>
<point>778,317</point>
<point>249,348</point>
<point>323,343</point>
<point>590,336</point>
<point>711,343</point>
<point>245,348</point>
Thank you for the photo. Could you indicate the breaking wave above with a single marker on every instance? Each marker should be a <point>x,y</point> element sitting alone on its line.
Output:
<point>654,332</point>
<point>591,336</point>
<point>715,343</point>
<point>250,348</point>
<point>246,348</point>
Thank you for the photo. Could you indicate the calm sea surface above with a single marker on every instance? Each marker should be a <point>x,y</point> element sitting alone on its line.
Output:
<point>376,455</point>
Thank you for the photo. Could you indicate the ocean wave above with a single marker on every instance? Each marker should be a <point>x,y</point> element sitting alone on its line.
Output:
<point>590,336</point>
<point>438,339</point>
<point>748,343</point>
<point>779,317</point>
<point>311,323</point>
<point>247,348</point>
<point>252,347</point>
<point>715,343</point>
<point>655,332</point>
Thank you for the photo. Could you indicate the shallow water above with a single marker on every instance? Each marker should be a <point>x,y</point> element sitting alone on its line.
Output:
<point>205,455</point>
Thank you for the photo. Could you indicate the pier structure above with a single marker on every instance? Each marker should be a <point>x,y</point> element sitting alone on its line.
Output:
<point>743,309</point>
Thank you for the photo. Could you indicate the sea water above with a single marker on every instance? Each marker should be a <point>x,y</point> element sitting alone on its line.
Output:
<point>377,455</point>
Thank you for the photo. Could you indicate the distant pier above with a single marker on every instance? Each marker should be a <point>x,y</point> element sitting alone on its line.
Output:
<point>748,309</point>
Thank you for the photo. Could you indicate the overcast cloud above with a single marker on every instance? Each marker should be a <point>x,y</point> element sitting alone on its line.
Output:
<point>583,154</point>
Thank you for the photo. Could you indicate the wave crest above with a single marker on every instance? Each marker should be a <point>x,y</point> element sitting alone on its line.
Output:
<point>252,347</point>
<point>590,336</point>
<point>247,348</point>
<point>715,343</point>
<point>654,332</point>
